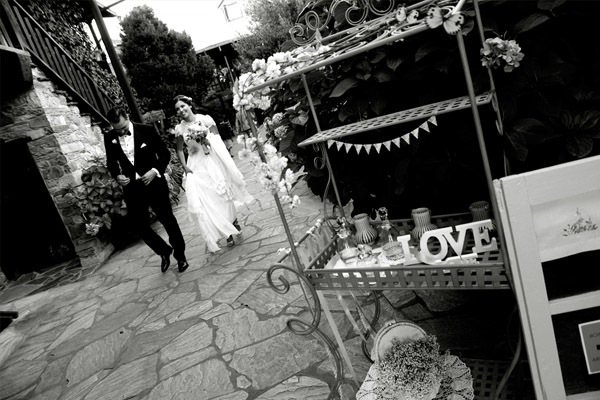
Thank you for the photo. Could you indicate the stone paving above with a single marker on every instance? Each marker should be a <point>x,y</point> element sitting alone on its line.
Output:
<point>216,331</point>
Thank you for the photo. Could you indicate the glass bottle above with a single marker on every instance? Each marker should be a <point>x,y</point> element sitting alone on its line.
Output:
<point>346,244</point>
<point>388,237</point>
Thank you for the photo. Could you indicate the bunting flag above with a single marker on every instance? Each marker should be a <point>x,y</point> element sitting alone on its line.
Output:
<point>425,126</point>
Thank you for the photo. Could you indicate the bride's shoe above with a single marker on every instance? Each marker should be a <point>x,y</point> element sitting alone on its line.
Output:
<point>230,242</point>
<point>237,226</point>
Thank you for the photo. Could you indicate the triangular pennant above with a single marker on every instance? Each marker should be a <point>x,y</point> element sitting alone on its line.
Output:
<point>406,138</point>
<point>396,141</point>
<point>358,147</point>
<point>377,146</point>
<point>339,145</point>
<point>368,147</point>
<point>388,144</point>
<point>348,147</point>
<point>433,120</point>
<point>329,144</point>
<point>425,126</point>
<point>415,133</point>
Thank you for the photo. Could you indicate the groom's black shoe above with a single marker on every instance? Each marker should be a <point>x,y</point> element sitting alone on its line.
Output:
<point>165,261</point>
<point>182,265</point>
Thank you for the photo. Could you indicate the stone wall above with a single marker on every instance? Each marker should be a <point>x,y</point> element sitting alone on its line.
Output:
<point>63,143</point>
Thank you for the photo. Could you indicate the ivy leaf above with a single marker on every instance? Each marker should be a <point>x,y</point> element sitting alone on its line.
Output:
<point>300,119</point>
<point>378,56</point>
<point>549,5</point>
<point>579,146</point>
<point>517,132</point>
<point>530,22</point>
<point>339,13</point>
<point>394,61</point>
<point>343,87</point>
<point>378,105</point>
<point>383,76</point>
<point>286,143</point>
<point>425,50</point>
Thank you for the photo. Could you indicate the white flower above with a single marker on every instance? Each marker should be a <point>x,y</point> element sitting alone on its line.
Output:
<point>277,118</point>
<point>278,163</point>
<point>295,201</point>
<point>281,131</point>
<point>92,229</point>
<point>244,154</point>
<point>258,64</point>
<point>270,150</point>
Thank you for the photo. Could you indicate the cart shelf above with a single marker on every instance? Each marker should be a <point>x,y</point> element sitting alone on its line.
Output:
<point>442,107</point>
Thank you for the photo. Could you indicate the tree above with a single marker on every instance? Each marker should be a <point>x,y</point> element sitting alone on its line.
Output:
<point>270,22</point>
<point>160,62</point>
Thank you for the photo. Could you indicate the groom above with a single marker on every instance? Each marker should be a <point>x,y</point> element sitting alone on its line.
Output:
<point>137,157</point>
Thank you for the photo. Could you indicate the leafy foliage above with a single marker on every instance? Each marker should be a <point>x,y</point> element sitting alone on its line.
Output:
<point>549,107</point>
<point>161,63</point>
<point>65,21</point>
<point>270,22</point>
<point>99,198</point>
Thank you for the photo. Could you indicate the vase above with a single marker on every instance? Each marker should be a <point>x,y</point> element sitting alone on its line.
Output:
<point>365,233</point>
<point>480,210</point>
<point>422,218</point>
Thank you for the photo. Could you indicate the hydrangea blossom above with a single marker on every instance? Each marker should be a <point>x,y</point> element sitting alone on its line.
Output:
<point>497,52</point>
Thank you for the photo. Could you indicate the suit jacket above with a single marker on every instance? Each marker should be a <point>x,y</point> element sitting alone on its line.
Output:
<point>149,152</point>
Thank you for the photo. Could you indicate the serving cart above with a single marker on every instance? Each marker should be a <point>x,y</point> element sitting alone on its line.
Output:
<point>310,263</point>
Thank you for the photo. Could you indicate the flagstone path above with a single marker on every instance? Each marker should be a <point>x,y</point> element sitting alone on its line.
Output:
<point>217,331</point>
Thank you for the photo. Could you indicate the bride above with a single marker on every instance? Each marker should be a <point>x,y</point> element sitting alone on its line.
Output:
<point>214,186</point>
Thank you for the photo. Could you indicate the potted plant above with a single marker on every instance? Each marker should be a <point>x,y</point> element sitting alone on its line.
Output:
<point>409,363</point>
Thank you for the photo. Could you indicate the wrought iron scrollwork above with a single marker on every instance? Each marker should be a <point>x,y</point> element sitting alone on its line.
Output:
<point>301,327</point>
<point>315,20</point>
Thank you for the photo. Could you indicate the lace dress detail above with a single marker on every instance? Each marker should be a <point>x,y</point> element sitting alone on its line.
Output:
<point>215,186</point>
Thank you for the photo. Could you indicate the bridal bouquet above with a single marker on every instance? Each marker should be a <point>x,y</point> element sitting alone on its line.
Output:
<point>198,133</point>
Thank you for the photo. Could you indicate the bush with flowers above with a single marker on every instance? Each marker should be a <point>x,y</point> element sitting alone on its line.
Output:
<point>99,199</point>
<point>548,103</point>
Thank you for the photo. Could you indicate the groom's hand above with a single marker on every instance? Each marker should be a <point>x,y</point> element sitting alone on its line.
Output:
<point>149,177</point>
<point>122,180</point>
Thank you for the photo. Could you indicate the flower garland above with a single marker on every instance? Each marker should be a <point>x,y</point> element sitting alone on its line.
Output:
<point>273,174</point>
<point>264,71</point>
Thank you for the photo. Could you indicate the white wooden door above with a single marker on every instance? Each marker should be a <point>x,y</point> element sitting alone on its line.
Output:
<point>546,215</point>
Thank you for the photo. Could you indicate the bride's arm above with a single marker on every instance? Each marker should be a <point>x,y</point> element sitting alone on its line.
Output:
<point>180,154</point>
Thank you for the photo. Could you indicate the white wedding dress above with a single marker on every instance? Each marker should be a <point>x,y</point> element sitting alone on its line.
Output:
<point>215,187</point>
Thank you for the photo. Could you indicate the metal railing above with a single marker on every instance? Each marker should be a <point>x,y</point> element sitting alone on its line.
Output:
<point>54,60</point>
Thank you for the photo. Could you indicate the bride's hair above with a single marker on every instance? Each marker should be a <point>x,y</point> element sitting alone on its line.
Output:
<point>186,99</point>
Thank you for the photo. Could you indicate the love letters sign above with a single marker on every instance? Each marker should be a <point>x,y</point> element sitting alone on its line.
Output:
<point>483,242</point>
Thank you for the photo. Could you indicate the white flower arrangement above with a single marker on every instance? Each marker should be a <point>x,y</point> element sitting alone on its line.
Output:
<point>197,133</point>
<point>413,368</point>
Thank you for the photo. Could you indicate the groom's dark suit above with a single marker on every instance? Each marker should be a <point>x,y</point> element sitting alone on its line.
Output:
<point>149,152</point>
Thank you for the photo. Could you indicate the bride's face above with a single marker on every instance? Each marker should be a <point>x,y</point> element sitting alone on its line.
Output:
<point>183,109</point>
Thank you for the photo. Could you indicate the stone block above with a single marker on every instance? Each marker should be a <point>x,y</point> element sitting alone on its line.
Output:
<point>73,147</point>
<point>39,122</point>
<point>36,134</point>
